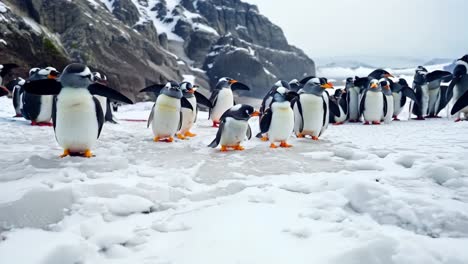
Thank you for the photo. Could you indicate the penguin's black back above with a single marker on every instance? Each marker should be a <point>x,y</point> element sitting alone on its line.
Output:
<point>31,106</point>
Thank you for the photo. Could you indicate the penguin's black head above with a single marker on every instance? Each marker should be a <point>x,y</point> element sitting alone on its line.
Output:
<point>385,85</point>
<point>380,73</point>
<point>403,82</point>
<point>339,93</point>
<point>76,75</point>
<point>172,89</point>
<point>420,75</point>
<point>464,58</point>
<point>188,89</point>
<point>225,83</point>
<point>33,71</point>
<point>99,78</point>
<point>374,86</point>
<point>316,86</point>
<point>242,112</point>
<point>282,83</point>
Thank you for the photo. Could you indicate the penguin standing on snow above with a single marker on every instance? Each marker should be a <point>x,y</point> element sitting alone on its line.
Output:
<point>77,116</point>
<point>373,103</point>
<point>234,127</point>
<point>104,101</point>
<point>400,91</point>
<point>278,119</point>
<point>353,96</point>
<point>16,89</point>
<point>38,108</point>
<point>387,114</point>
<point>5,69</point>
<point>459,88</point>
<point>222,97</point>
<point>437,99</point>
<point>341,100</point>
<point>189,116</point>
<point>311,109</point>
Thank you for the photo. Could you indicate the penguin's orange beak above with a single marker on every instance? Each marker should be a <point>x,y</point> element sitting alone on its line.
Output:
<point>374,85</point>
<point>328,85</point>
<point>255,113</point>
<point>232,81</point>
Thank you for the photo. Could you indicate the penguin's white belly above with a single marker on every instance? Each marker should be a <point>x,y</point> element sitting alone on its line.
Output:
<point>353,104</point>
<point>390,109</point>
<point>189,116</point>
<point>224,102</point>
<point>76,126</point>
<point>433,96</point>
<point>234,132</point>
<point>103,102</point>
<point>396,104</point>
<point>312,110</point>
<point>425,99</point>
<point>282,122</point>
<point>166,116</point>
<point>342,117</point>
<point>373,107</point>
<point>45,112</point>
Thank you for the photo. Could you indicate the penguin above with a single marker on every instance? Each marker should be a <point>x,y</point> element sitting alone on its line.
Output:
<point>437,99</point>
<point>294,85</point>
<point>166,115</point>
<point>115,106</point>
<point>234,127</point>
<point>16,89</point>
<point>77,115</point>
<point>278,119</point>
<point>379,74</point>
<point>400,92</point>
<point>5,69</point>
<point>387,115</point>
<point>459,88</point>
<point>353,93</point>
<point>341,100</point>
<point>373,103</point>
<point>310,108</point>
<point>222,98</point>
<point>36,108</point>
<point>104,101</point>
<point>189,116</point>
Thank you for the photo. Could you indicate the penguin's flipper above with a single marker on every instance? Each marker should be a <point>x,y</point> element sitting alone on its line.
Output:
<point>334,108</point>
<point>296,102</point>
<point>291,95</point>
<point>306,79</point>
<point>43,87</point>
<point>7,68</point>
<point>442,99</point>
<point>385,105</point>
<point>217,139</point>
<point>151,116</point>
<point>324,114</point>
<point>460,104</point>
<point>362,105</point>
<point>109,117</point>
<point>402,100</point>
<point>185,103</point>
<point>361,82</point>
<point>99,115</point>
<point>408,92</point>
<point>102,90</point>
<point>181,120</point>
<point>11,85</point>
<point>155,88</point>
<point>201,99</point>
<point>239,87</point>
<point>249,132</point>
<point>266,121</point>
<point>439,75</point>
<point>449,92</point>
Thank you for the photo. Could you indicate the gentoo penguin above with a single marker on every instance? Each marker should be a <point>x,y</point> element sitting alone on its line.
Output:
<point>278,120</point>
<point>353,93</point>
<point>459,88</point>
<point>294,85</point>
<point>5,69</point>
<point>234,127</point>
<point>373,103</point>
<point>400,91</point>
<point>166,115</point>
<point>104,101</point>
<point>379,74</point>
<point>341,100</point>
<point>311,109</point>
<point>36,108</point>
<point>436,101</point>
<point>16,89</point>
<point>189,116</point>
<point>387,92</point>
<point>77,116</point>
<point>222,98</point>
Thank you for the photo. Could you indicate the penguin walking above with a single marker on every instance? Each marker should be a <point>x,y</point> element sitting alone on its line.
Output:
<point>104,101</point>
<point>16,89</point>
<point>278,119</point>
<point>189,115</point>
<point>36,108</point>
<point>387,114</point>
<point>341,100</point>
<point>400,92</point>
<point>234,127</point>
<point>222,98</point>
<point>373,104</point>
<point>77,116</point>
<point>311,109</point>
<point>459,88</point>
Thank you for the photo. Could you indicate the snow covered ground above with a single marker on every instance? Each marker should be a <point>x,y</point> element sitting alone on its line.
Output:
<point>363,194</point>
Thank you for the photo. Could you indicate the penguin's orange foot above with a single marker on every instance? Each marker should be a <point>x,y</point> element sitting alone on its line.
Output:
<point>238,147</point>
<point>88,154</point>
<point>273,146</point>
<point>300,136</point>
<point>156,139</point>
<point>375,122</point>
<point>189,134</point>
<point>395,118</point>
<point>224,148</point>
<point>170,139</point>
<point>284,144</point>
<point>315,138</point>
<point>66,152</point>
<point>367,123</point>
<point>44,124</point>
<point>180,136</point>
<point>458,120</point>
<point>264,138</point>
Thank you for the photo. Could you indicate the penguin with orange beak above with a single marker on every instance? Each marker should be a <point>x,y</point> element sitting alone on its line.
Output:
<point>386,90</point>
<point>373,103</point>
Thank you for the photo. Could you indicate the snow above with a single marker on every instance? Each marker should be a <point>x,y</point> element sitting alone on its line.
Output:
<point>388,194</point>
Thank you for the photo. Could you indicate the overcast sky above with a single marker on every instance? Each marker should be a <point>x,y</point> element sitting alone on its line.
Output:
<point>418,28</point>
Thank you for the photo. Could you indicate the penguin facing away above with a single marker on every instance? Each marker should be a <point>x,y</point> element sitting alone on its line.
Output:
<point>16,89</point>
<point>373,103</point>
<point>77,116</point>
<point>387,115</point>
<point>400,91</point>
<point>341,100</point>
<point>458,89</point>
<point>234,127</point>
<point>222,98</point>
<point>104,101</point>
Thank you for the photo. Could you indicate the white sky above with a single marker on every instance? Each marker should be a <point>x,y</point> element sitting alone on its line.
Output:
<point>417,28</point>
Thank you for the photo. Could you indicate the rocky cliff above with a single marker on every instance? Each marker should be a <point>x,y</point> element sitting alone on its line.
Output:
<point>140,42</point>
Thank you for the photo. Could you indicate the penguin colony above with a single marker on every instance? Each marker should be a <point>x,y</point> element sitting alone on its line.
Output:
<point>78,101</point>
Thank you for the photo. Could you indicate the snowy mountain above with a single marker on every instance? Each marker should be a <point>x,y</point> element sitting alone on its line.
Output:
<point>140,42</point>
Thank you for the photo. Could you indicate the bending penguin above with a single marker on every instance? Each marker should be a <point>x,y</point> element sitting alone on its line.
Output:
<point>189,115</point>
<point>341,100</point>
<point>104,101</point>
<point>310,108</point>
<point>16,89</point>
<point>234,127</point>
<point>373,103</point>
<point>459,88</point>
<point>222,98</point>
<point>38,108</point>
<point>77,115</point>
<point>278,119</point>
<point>400,91</point>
